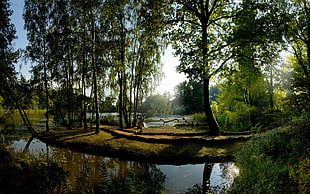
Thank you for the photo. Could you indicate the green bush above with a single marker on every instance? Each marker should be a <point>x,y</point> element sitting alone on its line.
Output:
<point>266,159</point>
<point>239,119</point>
<point>109,120</point>
<point>201,117</point>
<point>300,173</point>
<point>261,167</point>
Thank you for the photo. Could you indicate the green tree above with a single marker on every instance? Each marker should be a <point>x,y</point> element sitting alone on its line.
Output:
<point>7,34</point>
<point>62,40</point>
<point>81,16</point>
<point>298,37</point>
<point>36,16</point>
<point>256,43</point>
<point>134,36</point>
<point>200,39</point>
<point>190,95</point>
<point>157,104</point>
<point>148,42</point>
<point>15,93</point>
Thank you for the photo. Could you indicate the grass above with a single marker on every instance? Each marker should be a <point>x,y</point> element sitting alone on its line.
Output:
<point>106,144</point>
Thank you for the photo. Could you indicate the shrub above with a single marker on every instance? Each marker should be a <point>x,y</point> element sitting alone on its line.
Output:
<point>109,120</point>
<point>261,167</point>
<point>265,160</point>
<point>201,117</point>
<point>237,120</point>
<point>300,173</point>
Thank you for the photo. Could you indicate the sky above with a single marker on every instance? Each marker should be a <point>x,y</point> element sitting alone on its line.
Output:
<point>169,81</point>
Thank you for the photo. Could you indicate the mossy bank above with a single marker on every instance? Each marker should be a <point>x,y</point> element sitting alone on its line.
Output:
<point>165,152</point>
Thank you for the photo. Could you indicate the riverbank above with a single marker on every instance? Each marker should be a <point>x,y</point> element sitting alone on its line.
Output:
<point>159,148</point>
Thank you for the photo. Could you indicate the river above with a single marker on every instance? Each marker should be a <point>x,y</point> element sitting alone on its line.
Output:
<point>173,178</point>
<point>177,178</point>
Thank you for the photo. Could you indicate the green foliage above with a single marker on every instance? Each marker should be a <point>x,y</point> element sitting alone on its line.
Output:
<point>300,84</point>
<point>189,94</point>
<point>300,173</point>
<point>261,167</point>
<point>7,34</point>
<point>243,97</point>
<point>109,120</point>
<point>156,104</point>
<point>200,117</point>
<point>297,35</point>
<point>266,159</point>
<point>251,81</point>
<point>244,101</point>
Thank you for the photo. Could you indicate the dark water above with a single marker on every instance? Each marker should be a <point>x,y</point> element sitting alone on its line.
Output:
<point>177,178</point>
<point>174,178</point>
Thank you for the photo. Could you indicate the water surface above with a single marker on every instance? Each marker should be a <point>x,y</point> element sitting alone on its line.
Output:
<point>177,178</point>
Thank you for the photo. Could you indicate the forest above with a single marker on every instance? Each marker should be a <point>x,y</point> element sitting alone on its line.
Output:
<point>247,64</point>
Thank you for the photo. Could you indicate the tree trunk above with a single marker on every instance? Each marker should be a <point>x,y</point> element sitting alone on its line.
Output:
<point>271,89</point>
<point>213,125</point>
<point>70,92</point>
<point>25,119</point>
<point>46,87</point>
<point>308,51</point>
<point>19,107</point>
<point>125,100</point>
<point>94,65</point>
<point>120,103</point>
<point>84,78</point>
<point>122,73</point>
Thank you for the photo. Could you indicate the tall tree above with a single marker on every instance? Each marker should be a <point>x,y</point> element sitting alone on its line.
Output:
<point>257,44</point>
<point>199,37</point>
<point>148,20</point>
<point>298,36</point>
<point>94,63</point>
<point>136,28</point>
<point>10,89</point>
<point>257,40</point>
<point>36,16</point>
<point>62,41</point>
<point>7,35</point>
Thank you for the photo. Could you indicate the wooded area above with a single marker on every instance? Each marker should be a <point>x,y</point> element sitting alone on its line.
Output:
<point>248,69</point>
<point>89,57</point>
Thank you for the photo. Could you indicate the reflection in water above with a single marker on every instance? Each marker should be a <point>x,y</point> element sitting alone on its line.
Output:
<point>26,148</point>
<point>223,175</point>
<point>118,176</point>
<point>207,177</point>
<point>101,175</point>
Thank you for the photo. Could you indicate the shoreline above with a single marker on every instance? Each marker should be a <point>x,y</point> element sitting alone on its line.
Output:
<point>157,149</point>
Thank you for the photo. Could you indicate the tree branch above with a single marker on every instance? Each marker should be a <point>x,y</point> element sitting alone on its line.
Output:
<point>221,66</point>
